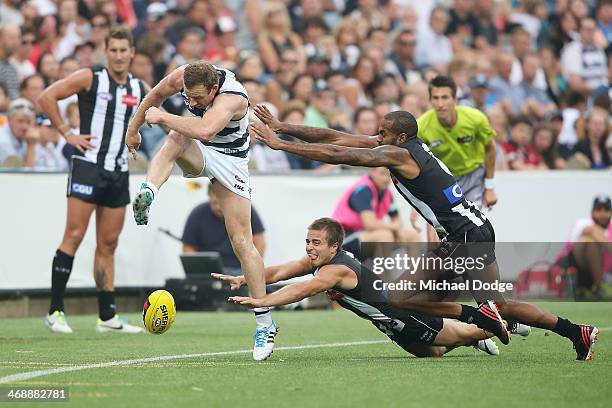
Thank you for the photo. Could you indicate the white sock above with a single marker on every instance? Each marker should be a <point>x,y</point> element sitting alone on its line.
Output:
<point>263,316</point>
<point>150,186</point>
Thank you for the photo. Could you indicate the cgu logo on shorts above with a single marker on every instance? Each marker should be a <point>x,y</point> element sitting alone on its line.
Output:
<point>84,189</point>
<point>453,193</point>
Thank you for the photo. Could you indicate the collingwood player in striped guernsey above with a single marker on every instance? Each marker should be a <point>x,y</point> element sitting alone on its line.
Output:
<point>98,179</point>
<point>213,142</point>
<point>427,185</point>
<point>343,279</point>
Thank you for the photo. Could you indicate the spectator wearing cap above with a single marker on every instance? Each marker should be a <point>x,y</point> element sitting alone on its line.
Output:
<point>588,249</point>
<point>156,21</point>
<point>583,62</point>
<point>49,156</point>
<point>18,138</point>
<point>276,36</point>
<point>519,149</point>
<point>433,46</point>
<point>226,49</point>
<point>10,39</point>
<point>462,139</point>
<point>525,97</point>
<point>592,149</point>
<point>479,92</point>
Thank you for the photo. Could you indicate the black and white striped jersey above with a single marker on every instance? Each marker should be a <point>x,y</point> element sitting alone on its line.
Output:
<point>105,110</point>
<point>364,299</point>
<point>234,139</point>
<point>436,195</point>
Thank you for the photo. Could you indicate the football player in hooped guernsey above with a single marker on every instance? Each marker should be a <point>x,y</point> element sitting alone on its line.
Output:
<point>427,185</point>
<point>344,279</point>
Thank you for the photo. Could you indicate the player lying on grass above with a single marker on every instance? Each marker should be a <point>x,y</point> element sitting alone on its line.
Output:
<point>344,279</point>
<point>427,184</point>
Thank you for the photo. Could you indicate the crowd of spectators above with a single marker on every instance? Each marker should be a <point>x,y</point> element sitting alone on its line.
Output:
<point>539,69</point>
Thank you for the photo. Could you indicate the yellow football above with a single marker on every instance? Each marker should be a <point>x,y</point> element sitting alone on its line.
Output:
<point>159,312</point>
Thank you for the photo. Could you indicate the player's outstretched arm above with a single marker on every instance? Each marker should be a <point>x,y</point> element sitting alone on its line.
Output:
<point>313,134</point>
<point>382,156</point>
<point>275,273</point>
<point>328,277</point>
<point>224,108</point>
<point>155,97</point>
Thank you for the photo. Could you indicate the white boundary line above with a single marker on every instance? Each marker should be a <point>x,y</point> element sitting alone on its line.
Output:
<point>41,373</point>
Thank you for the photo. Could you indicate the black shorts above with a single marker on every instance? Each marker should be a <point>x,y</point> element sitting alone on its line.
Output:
<point>417,329</point>
<point>352,244</point>
<point>91,183</point>
<point>478,242</point>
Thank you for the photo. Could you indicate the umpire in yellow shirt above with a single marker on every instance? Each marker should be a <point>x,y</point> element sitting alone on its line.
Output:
<point>462,139</point>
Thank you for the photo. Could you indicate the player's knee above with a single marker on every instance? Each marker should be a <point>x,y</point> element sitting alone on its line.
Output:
<point>107,246</point>
<point>73,237</point>
<point>241,245</point>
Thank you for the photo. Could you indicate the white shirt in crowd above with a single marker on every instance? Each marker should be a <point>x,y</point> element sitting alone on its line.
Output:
<point>50,158</point>
<point>9,145</point>
<point>589,63</point>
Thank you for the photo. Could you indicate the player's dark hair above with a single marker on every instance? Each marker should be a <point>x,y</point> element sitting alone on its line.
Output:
<point>201,73</point>
<point>119,33</point>
<point>333,229</point>
<point>403,122</point>
<point>443,81</point>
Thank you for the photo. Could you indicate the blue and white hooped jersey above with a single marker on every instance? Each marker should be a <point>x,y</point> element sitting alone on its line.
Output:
<point>234,139</point>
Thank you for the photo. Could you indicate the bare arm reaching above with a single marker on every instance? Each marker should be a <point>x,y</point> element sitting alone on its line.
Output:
<point>382,156</point>
<point>314,134</point>
<point>160,92</point>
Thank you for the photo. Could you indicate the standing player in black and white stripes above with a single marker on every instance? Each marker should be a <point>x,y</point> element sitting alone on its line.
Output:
<point>212,143</point>
<point>98,179</point>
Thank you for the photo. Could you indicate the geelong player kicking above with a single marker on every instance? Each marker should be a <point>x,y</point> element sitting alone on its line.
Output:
<point>343,279</point>
<point>212,143</point>
<point>431,189</point>
<point>98,178</point>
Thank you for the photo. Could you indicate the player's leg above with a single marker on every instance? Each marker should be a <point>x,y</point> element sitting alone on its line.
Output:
<point>237,215</point>
<point>109,223</point>
<point>588,255</point>
<point>77,220</point>
<point>176,149</point>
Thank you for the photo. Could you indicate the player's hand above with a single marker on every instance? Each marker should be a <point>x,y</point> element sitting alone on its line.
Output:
<point>267,118</point>
<point>153,116</point>
<point>80,142</point>
<point>235,282</point>
<point>489,198</point>
<point>265,135</point>
<point>246,301</point>
<point>132,141</point>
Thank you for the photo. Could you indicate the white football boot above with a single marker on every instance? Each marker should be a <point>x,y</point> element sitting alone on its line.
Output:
<point>264,341</point>
<point>142,204</point>
<point>488,346</point>
<point>57,323</point>
<point>117,324</point>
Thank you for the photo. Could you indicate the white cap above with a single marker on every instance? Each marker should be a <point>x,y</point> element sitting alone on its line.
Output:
<point>156,11</point>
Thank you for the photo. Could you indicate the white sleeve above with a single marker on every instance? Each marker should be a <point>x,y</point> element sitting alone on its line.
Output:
<point>571,60</point>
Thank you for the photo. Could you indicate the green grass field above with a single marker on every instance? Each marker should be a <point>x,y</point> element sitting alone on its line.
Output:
<point>537,371</point>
